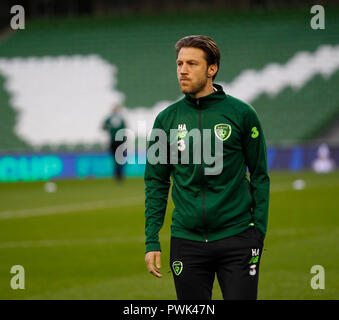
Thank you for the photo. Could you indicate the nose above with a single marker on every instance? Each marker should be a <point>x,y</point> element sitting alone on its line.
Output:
<point>183,69</point>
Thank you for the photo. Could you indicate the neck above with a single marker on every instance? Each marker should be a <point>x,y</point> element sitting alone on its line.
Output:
<point>208,89</point>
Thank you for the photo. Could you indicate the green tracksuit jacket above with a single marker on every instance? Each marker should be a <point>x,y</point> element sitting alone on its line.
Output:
<point>113,124</point>
<point>208,207</point>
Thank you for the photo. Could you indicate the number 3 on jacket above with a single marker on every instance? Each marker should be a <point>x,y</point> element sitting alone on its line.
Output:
<point>181,145</point>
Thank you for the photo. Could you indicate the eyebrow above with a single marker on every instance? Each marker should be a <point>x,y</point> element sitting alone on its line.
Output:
<point>191,60</point>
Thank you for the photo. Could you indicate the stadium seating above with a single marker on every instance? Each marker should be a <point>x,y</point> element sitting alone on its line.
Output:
<point>58,78</point>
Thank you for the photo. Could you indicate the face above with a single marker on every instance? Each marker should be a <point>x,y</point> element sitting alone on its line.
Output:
<point>192,71</point>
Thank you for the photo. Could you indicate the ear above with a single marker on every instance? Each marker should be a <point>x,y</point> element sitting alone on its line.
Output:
<point>212,70</point>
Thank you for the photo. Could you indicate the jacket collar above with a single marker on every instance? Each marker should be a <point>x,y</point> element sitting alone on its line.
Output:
<point>206,101</point>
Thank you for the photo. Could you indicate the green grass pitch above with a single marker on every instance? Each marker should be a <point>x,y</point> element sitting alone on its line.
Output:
<point>86,240</point>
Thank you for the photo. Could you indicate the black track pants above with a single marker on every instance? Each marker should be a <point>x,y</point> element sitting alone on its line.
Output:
<point>235,261</point>
<point>117,168</point>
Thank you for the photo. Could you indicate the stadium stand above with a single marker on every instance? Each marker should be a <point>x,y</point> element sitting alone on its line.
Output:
<point>58,77</point>
<point>331,133</point>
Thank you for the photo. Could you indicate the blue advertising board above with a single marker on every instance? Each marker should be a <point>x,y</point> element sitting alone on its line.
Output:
<point>43,166</point>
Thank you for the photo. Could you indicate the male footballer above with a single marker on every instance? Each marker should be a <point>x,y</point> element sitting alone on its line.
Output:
<point>219,221</point>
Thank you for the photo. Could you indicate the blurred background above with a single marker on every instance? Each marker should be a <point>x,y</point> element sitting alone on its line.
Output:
<point>77,233</point>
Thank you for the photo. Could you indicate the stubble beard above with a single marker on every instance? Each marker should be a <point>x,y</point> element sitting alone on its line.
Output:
<point>194,88</point>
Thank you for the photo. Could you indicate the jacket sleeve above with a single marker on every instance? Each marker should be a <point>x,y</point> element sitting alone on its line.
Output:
<point>157,184</point>
<point>256,161</point>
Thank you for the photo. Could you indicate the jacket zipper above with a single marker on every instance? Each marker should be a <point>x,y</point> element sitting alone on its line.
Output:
<point>202,172</point>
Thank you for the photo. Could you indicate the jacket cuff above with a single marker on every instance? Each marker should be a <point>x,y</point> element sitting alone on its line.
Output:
<point>153,246</point>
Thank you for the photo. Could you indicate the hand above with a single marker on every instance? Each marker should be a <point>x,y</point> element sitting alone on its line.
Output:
<point>153,262</point>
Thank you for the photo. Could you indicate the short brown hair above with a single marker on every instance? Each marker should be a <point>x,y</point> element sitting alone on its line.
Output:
<point>204,43</point>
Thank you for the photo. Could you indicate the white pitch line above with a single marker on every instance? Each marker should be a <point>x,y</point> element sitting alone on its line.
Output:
<point>85,206</point>
<point>114,203</point>
<point>72,207</point>
<point>74,242</point>
<point>284,232</point>
<point>67,242</point>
